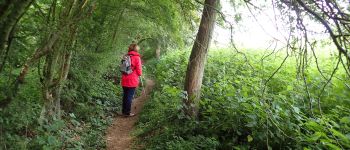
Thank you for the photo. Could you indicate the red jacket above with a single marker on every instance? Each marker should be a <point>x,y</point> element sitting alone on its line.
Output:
<point>132,80</point>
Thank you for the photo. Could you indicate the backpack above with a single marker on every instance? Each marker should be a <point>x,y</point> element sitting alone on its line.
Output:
<point>125,65</point>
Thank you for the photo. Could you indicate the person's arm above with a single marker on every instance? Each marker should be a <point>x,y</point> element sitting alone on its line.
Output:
<point>138,67</point>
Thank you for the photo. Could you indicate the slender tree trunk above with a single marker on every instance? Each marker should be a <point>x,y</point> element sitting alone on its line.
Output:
<point>196,64</point>
<point>158,51</point>
<point>48,89</point>
<point>53,86</point>
<point>39,53</point>
<point>116,28</point>
<point>56,46</point>
<point>10,12</point>
<point>56,70</point>
<point>7,51</point>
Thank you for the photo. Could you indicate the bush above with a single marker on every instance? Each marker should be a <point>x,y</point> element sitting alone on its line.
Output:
<point>236,114</point>
<point>89,100</point>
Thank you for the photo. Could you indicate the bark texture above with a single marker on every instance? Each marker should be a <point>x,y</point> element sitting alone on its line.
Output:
<point>10,13</point>
<point>57,63</point>
<point>158,51</point>
<point>196,64</point>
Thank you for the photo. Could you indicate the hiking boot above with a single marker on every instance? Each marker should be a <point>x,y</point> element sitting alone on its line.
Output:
<point>126,115</point>
<point>129,115</point>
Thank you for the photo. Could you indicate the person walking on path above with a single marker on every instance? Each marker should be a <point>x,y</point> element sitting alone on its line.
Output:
<point>130,78</point>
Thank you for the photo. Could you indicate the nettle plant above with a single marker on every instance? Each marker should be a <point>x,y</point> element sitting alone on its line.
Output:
<point>235,112</point>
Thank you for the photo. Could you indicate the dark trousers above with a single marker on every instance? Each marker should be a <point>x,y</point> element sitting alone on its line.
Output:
<point>128,94</point>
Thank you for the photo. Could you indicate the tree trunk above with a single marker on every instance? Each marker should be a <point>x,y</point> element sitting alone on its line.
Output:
<point>57,49</point>
<point>158,51</point>
<point>56,69</point>
<point>196,64</point>
<point>48,88</point>
<point>116,28</point>
<point>53,86</point>
<point>6,52</point>
<point>39,53</point>
<point>10,13</point>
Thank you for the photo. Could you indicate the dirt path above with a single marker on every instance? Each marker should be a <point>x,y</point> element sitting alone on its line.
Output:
<point>119,133</point>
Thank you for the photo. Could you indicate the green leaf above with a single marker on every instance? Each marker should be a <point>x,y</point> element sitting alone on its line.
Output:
<point>315,137</point>
<point>334,124</point>
<point>345,120</point>
<point>51,140</point>
<point>332,146</point>
<point>251,124</point>
<point>340,135</point>
<point>296,110</point>
<point>249,138</point>
<point>230,94</point>
<point>314,126</point>
<point>72,115</point>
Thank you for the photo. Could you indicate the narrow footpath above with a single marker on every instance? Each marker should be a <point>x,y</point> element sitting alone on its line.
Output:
<point>119,133</point>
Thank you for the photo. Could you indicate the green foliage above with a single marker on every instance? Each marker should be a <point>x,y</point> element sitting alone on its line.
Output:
<point>237,110</point>
<point>89,97</point>
<point>236,114</point>
<point>87,111</point>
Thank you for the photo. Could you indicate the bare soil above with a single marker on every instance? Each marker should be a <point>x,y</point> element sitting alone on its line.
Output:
<point>119,133</point>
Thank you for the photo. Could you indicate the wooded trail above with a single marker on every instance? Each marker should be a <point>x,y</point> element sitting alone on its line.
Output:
<point>119,133</point>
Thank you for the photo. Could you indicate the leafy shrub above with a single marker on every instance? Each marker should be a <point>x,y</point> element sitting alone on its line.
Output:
<point>236,113</point>
<point>88,103</point>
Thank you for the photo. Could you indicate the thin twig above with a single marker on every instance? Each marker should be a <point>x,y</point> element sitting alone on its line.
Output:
<point>325,85</point>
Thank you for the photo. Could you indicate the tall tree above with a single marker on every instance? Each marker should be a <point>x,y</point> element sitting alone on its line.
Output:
<point>196,64</point>
<point>57,60</point>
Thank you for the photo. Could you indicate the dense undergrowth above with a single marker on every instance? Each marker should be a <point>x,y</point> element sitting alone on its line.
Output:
<point>88,103</point>
<point>235,112</point>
